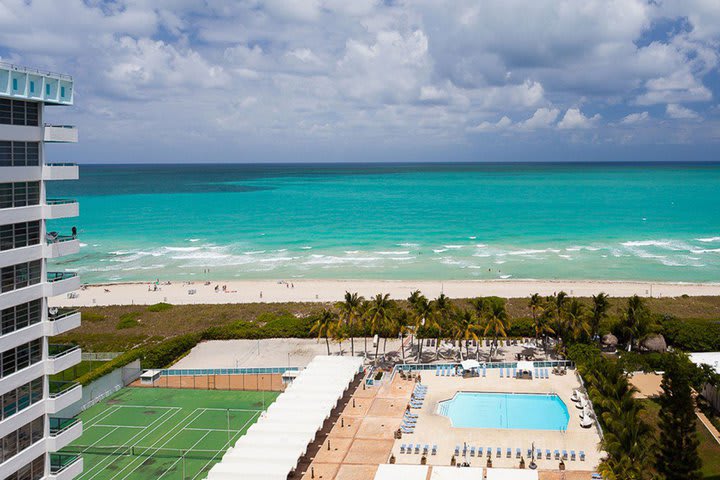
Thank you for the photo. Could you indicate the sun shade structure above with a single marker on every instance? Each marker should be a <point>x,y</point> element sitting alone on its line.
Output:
<point>455,473</point>
<point>272,447</point>
<point>469,364</point>
<point>511,474</point>
<point>404,472</point>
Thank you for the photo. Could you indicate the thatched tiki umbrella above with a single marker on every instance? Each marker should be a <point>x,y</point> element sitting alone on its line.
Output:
<point>654,343</point>
<point>609,342</point>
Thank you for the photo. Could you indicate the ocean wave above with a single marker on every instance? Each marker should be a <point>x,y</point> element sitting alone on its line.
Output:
<point>472,238</point>
<point>306,247</point>
<point>390,252</point>
<point>182,249</point>
<point>675,245</point>
<point>352,252</point>
<point>414,245</point>
<point>83,244</point>
<point>440,250</point>
<point>254,252</point>
<point>505,276</point>
<point>453,247</point>
<point>193,239</point>
<point>708,239</point>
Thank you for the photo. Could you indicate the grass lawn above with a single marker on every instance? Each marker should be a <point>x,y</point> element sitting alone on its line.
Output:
<point>163,434</point>
<point>709,449</point>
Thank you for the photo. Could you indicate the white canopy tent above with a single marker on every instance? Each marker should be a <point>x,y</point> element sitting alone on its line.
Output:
<point>511,474</point>
<point>404,472</point>
<point>272,447</point>
<point>455,473</point>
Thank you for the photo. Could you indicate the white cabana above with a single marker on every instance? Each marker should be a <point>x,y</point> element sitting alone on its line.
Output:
<point>272,447</point>
<point>455,473</point>
<point>404,472</point>
<point>469,364</point>
<point>511,474</point>
<point>525,365</point>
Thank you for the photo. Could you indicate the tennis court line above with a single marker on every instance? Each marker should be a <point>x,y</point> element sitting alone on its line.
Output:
<point>118,426</point>
<point>234,410</point>
<point>175,434</point>
<point>213,429</point>
<point>180,458</point>
<point>142,434</point>
<point>104,414</point>
<point>227,444</point>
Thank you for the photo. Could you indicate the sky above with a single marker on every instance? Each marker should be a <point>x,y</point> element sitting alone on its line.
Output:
<point>371,80</point>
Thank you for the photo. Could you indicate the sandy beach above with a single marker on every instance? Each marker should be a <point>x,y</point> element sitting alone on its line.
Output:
<point>271,291</point>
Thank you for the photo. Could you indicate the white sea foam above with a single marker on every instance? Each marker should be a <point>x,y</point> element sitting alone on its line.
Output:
<point>440,250</point>
<point>453,247</point>
<point>83,244</point>
<point>352,252</point>
<point>182,249</point>
<point>499,262</point>
<point>306,247</point>
<point>481,245</point>
<point>472,238</point>
<point>193,239</point>
<point>390,252</point>
<point>254,252</point>
<point>505,276</point>
<point>708,239</point>
<point>407,244</point>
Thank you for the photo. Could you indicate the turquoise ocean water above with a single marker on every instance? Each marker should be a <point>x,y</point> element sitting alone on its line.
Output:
<point>407,221</point>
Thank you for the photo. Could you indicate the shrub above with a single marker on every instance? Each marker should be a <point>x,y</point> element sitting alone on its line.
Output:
<point>86,316</point>
<point>692,335</point>
<point>159,307</point>
<point>107,367</point>
<point>521,327</point>
<point>128,320</point>
<point>164,354</point>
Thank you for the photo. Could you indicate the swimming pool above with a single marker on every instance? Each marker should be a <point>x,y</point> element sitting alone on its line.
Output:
<point>506,410</point>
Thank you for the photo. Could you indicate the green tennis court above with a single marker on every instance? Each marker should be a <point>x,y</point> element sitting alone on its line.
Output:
<point>163,434</point>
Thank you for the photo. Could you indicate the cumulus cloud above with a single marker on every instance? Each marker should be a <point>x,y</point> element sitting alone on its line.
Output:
<point>574,119</point>
<point>503,124</point>
<point>635,118</point>
<point>679,112</point>
<point>542,118</point>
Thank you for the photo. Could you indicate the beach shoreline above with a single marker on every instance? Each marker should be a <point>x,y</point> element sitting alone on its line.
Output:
<point>323,291</point>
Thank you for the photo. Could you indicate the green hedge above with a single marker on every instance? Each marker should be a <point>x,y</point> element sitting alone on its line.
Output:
<point>107,367</point>
<point>692,335</point>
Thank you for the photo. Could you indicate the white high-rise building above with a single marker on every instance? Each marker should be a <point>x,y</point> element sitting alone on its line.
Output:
<point>30,430</point>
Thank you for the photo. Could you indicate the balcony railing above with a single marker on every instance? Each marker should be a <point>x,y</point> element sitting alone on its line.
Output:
<point>58,388</point>
<point>37,71</point>
<point>52,239</point>
<point>61,164</point>
<point>59,425</point>
<point>60,201</point>
<point>56,350</point>
<point>60,313</point>
<point>61,461</point>
<point>58,276</point>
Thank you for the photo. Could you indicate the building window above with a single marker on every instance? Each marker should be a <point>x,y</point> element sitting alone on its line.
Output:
<point>20,275</point>
<point>19,154</point>
<point>32,86</point>
<point>20,357</point>
<point>18,235</point>
<point>62,92</point>
<point>19,194</point>
<point>21,398</point>
<point>19,112</point>
<point>20,316</point>
<point>15,84</point>
<point>34,470</point>
<point>17,441</point>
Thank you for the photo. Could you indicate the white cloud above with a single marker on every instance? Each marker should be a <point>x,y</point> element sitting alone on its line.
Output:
<point>679,112</point>
<point>635,118</point>
<point>574,119</point>
<point>542,118</point>
<point>503,124</point>
<point>680,86</point>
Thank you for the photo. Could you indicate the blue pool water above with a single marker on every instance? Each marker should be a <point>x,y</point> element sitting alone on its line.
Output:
<point>506,410</point>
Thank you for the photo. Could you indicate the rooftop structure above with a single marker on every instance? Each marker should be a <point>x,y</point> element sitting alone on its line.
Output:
<point>31,423</point>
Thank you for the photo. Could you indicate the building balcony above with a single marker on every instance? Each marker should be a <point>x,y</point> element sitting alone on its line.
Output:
<point>60,245</point>
<point>62,357</point>
<point>60,283</point>
<point>60,134</point>
<point>62,395</point>
<point>65,466</point>
<point>60,171</point>
<point>61,208</point>
<point>62,432</point>
<point>61,320</point>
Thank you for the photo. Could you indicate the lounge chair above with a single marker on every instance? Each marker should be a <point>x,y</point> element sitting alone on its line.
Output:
<point>472,451</point>
<point>518,453</point>
<point>489,452</point>
<point>508,453</point>
<point>586,422</point>
<point>434,450</point>
<point>501,373</point>
<point>557,454</point>
<point>538,453</point>
<point>514,372</point>
<point>402,448</point>
<point>575,396</point>
<point>407,430</point>
<point>547,373</point>
<point>480,452</point>
<point>547,454</point>
<point>437,371</point>
<point>498,452</point>
<point>465,450</point>
<point>417,449</point>
<point>426,449</point>
<point>529,453</point>
<point>565,455</point>
<point>535,375</point>
<point>572,455</point>
<point>582,456</point>
<point>484,372</point>
<point>457,450</point>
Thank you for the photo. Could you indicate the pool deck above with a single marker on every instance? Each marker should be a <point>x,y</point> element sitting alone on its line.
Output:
<point>435,429</point>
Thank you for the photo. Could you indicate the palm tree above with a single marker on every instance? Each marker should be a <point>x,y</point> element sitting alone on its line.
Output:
<point>420,312</point>
<point>577,324</point>
<point>558,303</point>
<point>325,326</point>
<point>599,311</point>
<point>636,321</point>
<point>442,311</point>
<point>379,315</point>
<point>496,322</point>
<point>350,312</point>
<point>465,329</point>
<point>541,324</point>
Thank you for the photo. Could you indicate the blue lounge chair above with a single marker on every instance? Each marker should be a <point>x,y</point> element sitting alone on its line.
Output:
<point>457,450</point>
<point>437,371</point>
<point>557,454</point>
<point>406,430</point>
<point>538,454</point>
<point>417,448</point>
<point>518,454</point>
<point>484,372</point>
<point>547,454</point>
<point>480,452</point>
<point>501,373</point>
<point>434,450</point>
<point>489,452</point>
<point>465,450</point>
<point>472,451</point>
<point>529,453</point>
<point>514,372</point>
<point>426,449</point>
<point>582,456</point>
<point>498,452</point>
<point>508,453</point>
<point>402,448</point>
<point>565,455</point>
<point>536,374</point>
<point>572,455</point>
